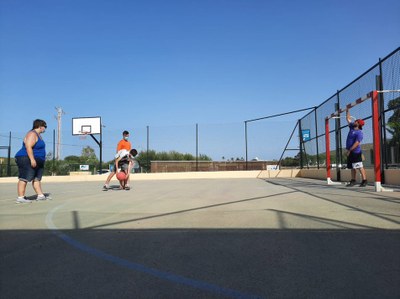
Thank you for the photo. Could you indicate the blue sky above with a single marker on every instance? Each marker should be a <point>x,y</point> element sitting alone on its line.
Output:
<point>171,64</point>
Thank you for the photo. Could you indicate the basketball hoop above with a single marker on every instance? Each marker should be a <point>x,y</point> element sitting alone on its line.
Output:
<point>83,136</point>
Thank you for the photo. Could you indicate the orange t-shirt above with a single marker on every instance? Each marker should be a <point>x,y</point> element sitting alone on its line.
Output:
<point>124,144</point>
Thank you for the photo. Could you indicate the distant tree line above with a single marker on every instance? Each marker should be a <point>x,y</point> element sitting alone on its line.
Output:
<point>88,157</point>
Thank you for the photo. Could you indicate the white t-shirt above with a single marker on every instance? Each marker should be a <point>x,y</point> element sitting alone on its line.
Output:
<point>122,153</point>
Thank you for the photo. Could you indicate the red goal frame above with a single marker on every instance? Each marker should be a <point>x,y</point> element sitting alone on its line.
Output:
<point>376,131</point>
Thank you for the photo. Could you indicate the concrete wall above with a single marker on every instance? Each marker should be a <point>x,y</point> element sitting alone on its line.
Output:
<point>188,166</point>
<point>392,176</point>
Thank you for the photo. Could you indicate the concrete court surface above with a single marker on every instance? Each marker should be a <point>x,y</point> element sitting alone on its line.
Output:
<point>207,238</point>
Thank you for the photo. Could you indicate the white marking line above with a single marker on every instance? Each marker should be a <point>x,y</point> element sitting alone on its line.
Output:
<point>141,268</point>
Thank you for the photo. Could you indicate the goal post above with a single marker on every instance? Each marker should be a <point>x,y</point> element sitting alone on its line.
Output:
<point>376,131</point>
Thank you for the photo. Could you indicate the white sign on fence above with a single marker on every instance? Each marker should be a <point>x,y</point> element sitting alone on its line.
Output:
<point>84,167</point>
<point>272,167</point>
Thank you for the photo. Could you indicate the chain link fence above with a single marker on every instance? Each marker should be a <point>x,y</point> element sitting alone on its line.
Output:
<point>384,75</point>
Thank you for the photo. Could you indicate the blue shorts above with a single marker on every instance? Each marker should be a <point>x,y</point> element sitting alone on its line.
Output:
<point>25,170</point>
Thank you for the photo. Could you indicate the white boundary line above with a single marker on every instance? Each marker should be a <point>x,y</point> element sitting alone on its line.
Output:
<point>164,275</point>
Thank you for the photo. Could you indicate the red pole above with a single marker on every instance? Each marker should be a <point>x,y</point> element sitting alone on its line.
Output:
<point>376,137</point>
<point>328,152</point>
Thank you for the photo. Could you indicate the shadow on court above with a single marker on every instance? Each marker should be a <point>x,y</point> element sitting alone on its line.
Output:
<point>264,263</point>
<point>311,242</point>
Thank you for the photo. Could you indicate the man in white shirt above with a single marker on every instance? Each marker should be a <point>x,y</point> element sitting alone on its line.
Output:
<point>123,162</point>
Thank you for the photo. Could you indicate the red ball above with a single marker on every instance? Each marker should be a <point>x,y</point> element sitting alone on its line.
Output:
<point>121,176</point>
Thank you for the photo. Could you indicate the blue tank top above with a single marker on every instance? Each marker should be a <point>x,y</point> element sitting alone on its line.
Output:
<point>352,137</point>
<point>39,149</point>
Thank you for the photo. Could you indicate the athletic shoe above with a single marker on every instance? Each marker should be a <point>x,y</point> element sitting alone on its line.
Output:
<point>351,183</point>
<point>43,197</point>
<point>127,188</point>
<point>363,183</point>
<point>105,188</point>
<point>22,200</point>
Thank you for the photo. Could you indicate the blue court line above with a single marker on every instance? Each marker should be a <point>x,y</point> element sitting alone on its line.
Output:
<point>141,268</point>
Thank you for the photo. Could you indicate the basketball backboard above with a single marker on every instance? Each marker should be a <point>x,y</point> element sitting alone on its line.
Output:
<point>86,125</point>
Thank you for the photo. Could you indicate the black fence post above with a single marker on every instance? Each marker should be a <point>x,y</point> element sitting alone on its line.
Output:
<point>54,152</point>
<point>9,156</point>
<point>147,155</point>
<point>301,146</point>
<point>382,122</point>
<point>338,141</point>
<point>197,147</point>
<point>316,135</point>
<point>245,142</point>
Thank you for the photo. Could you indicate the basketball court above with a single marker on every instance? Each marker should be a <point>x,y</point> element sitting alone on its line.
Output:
<point>201,238</point>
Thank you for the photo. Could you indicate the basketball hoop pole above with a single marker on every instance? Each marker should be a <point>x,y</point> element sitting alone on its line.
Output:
<point>100,146</point>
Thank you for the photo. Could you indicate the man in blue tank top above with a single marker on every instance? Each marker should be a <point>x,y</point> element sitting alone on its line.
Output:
<point>30,160</point>
<point>354,153</point>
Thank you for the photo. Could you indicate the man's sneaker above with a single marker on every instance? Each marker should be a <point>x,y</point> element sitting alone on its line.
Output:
<point>363,183</point>
<point>105,188</point>
<point>127,188</point>
<point>351,183</point>
<point>43,197</point>
<point>22,200</point>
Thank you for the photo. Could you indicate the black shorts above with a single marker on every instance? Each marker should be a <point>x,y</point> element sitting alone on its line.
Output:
<point>354,158</point>
<point>124,165</point>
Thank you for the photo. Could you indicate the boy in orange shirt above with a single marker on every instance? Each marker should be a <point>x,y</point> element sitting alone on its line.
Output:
<point>124,143</point>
